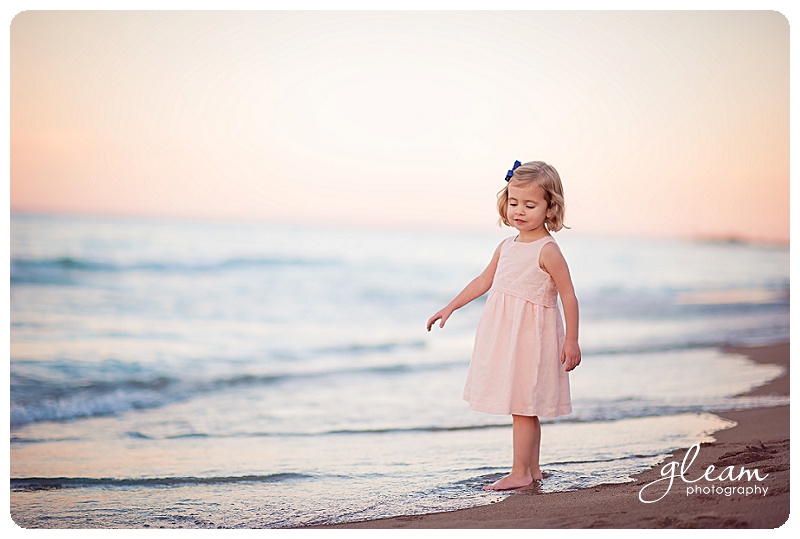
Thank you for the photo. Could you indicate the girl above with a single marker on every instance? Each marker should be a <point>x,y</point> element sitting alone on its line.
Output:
<point>522,353</point>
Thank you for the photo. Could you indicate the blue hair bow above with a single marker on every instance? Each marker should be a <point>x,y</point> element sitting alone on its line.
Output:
<point>511,172</point>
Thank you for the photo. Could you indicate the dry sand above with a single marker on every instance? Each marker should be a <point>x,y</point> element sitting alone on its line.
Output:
<point>760,440</point>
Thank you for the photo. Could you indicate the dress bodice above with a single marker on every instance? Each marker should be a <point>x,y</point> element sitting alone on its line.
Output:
<point>518,272</point>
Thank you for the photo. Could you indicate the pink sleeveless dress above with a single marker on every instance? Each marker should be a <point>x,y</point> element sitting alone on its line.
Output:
<point>516,362</point>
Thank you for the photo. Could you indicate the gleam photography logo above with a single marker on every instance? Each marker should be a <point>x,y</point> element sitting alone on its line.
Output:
<point>669,471</point>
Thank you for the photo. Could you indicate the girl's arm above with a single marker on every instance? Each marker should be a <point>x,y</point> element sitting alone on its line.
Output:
<point>475,289</point>
<point>552,261</point>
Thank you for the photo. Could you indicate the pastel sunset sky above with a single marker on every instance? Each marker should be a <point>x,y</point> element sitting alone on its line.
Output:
<point>661,123</point>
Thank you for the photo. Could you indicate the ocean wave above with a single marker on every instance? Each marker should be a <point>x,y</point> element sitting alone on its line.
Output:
<point>60,402</point>
<point>64,270</point>
<point>754,337</point>
<point>51,483</point>
<point>360,348</point>
<point>599,412</point>
<point>59,391</point>
<point>621,409</point>
<point>37,398</point>
<point>64,390</point>
<point>334,432</point>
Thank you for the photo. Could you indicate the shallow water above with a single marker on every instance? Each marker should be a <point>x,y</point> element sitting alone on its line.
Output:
<point>246,375</point>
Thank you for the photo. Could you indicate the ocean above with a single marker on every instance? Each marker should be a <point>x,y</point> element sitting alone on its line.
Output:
<point>186,374</point>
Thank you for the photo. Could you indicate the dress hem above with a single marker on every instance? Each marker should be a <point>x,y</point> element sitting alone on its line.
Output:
<point>552,412</point>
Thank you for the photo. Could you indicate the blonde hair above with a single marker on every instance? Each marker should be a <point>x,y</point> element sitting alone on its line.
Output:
<point>546,177</point>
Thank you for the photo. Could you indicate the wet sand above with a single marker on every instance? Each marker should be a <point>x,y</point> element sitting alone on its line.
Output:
<point>760,440</point>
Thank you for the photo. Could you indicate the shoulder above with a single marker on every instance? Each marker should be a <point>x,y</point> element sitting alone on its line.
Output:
<point>550,254</point>
<point>501,246</point>
<point>505,243</point>
<point>550,246</point>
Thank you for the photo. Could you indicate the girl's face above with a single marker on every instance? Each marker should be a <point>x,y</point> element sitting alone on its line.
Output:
<point>527,207</point>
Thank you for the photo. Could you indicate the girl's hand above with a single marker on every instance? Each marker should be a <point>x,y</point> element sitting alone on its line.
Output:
<point>571,355</point>
<point>444,314</point>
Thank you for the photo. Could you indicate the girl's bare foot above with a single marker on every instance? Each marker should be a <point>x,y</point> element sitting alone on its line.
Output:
<point>513,481</point>
<point>509,483</point>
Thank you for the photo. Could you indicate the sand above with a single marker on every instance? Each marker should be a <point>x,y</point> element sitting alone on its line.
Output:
<point>760,440</point>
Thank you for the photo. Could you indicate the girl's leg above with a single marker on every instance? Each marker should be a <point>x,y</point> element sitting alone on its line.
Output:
<point>525,468</point>
<point>536,440</point>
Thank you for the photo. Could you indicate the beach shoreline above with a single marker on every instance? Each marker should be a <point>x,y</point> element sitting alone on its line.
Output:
<point>759,440</point>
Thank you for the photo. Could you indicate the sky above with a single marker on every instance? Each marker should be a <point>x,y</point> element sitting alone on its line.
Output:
<point>660,123</point>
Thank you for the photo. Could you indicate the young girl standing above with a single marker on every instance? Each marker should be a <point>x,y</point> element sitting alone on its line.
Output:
<point>522,353</point>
